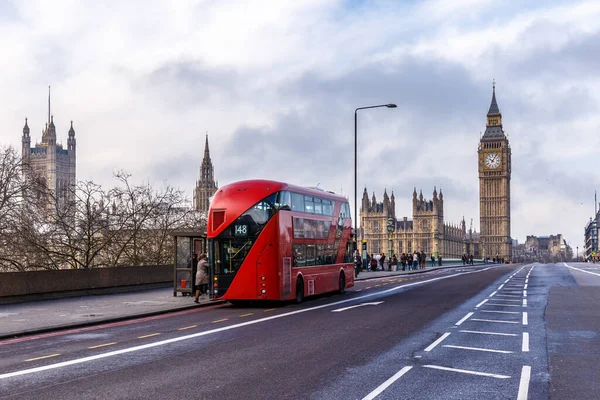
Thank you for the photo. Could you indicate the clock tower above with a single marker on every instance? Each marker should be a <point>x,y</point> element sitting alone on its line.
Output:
<point>494,186</point>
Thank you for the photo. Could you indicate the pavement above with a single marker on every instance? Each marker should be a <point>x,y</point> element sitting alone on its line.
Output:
<point>36,317</point>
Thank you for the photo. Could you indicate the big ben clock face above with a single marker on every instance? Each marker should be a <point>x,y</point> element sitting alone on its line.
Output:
<point>492,160</point>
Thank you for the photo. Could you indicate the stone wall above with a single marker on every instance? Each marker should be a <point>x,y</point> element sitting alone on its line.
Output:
<point>39,282</point>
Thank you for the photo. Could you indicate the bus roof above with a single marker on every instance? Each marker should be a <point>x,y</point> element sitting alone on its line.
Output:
<point>275,186</point>
<point>236,198</point>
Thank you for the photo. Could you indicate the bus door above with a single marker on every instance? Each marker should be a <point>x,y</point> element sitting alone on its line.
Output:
<point>264,273</point>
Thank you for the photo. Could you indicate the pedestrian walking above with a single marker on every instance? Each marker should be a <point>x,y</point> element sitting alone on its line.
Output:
<point>394,266</point>
<point>415,263</point>
<point>422,259</point>
<point>432,260</point>
<point>201,277</point>
<point>382,261</point>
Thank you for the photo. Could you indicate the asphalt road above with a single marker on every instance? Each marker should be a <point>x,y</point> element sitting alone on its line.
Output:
<point>495,332</point>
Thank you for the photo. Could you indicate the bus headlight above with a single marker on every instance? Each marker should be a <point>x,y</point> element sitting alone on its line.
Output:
<point>263,291</point>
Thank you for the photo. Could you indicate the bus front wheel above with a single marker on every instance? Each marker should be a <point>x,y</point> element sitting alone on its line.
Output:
<point>299,291</point>
<point>342,283</point>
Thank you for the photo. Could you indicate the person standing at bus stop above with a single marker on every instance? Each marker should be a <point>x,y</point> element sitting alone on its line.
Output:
<point>201,277</point>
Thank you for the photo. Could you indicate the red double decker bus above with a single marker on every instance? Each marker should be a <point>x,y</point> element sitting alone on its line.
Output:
<point>270,240</point>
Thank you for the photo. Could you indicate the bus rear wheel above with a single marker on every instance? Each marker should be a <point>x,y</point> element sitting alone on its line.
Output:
<point>299,291</point>
<point>342,283</point>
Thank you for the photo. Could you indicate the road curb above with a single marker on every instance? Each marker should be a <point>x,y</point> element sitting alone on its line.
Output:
<point>38,331</point>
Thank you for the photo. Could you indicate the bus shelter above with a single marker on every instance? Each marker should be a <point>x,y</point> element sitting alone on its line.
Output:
<point>187,244</point>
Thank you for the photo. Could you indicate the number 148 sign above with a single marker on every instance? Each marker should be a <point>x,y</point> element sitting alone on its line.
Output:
<point>240,230</point>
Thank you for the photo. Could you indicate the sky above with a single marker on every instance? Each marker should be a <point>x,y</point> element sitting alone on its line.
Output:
<point>275,85</point>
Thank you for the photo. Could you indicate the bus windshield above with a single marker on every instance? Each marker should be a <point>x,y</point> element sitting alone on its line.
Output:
<point>231,247</point>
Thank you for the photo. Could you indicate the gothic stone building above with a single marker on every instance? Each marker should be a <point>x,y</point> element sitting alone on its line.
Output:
<point>206,185</point>
<point>425,232</point>
<point>494,155</point>
<point>49,161</point>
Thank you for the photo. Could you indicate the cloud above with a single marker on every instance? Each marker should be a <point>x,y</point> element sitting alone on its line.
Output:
<point>275,85</point>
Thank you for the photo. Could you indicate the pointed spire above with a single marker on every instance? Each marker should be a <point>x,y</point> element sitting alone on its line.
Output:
<point>415,193</point>
<point>434,192</point>
<point>71,130</point>
<point>494,106</point>
<point>49,116</point>
<point>26,128</point>
<point>393,196</point>
<point>441,194</point>
<point>206,149</point>
<point>421,194</point>
<point>51,122</point>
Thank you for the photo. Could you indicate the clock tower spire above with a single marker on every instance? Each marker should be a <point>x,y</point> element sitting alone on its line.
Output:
<point>494,156</point>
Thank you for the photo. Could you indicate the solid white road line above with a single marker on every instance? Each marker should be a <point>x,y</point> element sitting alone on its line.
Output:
<point>387,383</point>
<point>501,312</point>
<point>524,383</point>
<point>506,281</point>
<point>501,300</point>
<point>375,303</point>
<point>525,320</point>
<point>582,270</point>
<point>490,333</point>
<point>222,329</point>
<point>478,349</point>
<point>492,295</point>
<point>440,339</point>
<point>525,346</point>
<point>466,317</point>
<point>482,303</point>
<point>494,320</point>
<point>464,371</point>
<point>500,287</point>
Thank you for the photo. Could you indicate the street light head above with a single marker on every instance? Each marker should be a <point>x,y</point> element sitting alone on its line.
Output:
<point>391,105</point>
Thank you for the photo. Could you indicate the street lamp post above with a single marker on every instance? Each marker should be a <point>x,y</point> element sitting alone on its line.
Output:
<point>355,163</point>
<point>390,229</point>
<point>577,259</point>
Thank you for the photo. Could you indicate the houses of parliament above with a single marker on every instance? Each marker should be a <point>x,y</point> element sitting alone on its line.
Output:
<point>49,161</point>
<point>427,231</point>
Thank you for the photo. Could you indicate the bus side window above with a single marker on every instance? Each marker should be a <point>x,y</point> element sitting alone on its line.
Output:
<point>327,207</point>
<point>318,206</point>
<point>297,202</point>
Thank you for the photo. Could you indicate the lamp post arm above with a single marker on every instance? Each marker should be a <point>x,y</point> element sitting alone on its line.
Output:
<point>366,108</point>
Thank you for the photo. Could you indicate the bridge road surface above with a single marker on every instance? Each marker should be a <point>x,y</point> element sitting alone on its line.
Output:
<point>486,332</point>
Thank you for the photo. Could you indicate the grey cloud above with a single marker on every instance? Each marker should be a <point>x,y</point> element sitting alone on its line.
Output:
<point>186,84</point>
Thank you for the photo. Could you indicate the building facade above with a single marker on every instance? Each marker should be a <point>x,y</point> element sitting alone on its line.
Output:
<point>591,237</point>
<point>52,164</point>
<point>206,185</point>
<point>551,248</point>
<point>494,162</point>
<point>426,232</point>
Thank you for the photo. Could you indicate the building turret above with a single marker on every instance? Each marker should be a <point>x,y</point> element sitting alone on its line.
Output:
<point>420,195</point>
<point>51,154</point>
<point>373,200</point>
<point>434,193</point>
<point>365,200</point>
<point>206,185</point>
<point>25,144</point>
<point>72,148</point>
<point>386,202</point>
<point>393,205</point>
